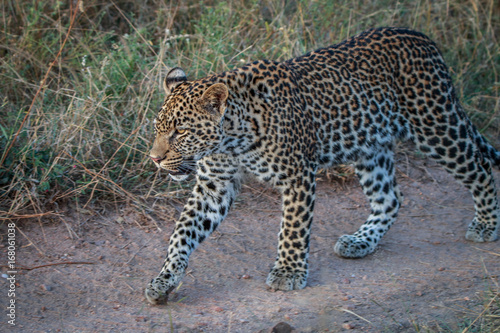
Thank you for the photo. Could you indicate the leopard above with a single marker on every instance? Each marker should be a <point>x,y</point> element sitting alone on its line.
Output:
<point>281,122</point>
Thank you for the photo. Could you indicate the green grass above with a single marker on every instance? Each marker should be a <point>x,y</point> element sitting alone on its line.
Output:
<point>86,137</point>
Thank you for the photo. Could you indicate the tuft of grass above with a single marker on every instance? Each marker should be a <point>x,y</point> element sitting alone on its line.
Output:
<point>86,137</point>
<point>482,317</point>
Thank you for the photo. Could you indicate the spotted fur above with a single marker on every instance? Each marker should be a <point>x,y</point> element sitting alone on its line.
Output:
<point>346,103</point>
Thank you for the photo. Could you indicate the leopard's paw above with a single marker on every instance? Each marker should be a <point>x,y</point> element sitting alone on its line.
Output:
<point>480,233</point>
<point>159,288</point>
<point>349,246</point>
<point>286,279</point>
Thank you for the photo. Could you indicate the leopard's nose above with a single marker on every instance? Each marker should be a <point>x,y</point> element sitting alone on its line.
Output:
<point>156,159</point>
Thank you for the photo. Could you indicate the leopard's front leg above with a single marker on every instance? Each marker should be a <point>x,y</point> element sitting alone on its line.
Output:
<point>291,268</point>
<point>212,196</point>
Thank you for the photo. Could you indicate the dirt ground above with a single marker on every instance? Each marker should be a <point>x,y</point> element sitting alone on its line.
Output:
<point>423,275</point>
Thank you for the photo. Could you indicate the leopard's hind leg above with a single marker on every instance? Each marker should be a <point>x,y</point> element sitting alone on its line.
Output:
<point>484,226</point>
<point>457,148</point>
<point>376,175</point>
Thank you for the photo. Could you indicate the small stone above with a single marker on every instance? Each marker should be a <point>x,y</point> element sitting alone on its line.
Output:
<point>218,309</point>
<point>346,281</point>
<point>418,293</point>
<point>441,269</point>
<point>46,287</point>
<point>347,326</point>
<point>282,328</point>
<point>245,277</point>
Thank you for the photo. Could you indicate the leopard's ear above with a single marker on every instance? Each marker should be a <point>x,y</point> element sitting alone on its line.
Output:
<point>174,77</point>
<point>213,100</point>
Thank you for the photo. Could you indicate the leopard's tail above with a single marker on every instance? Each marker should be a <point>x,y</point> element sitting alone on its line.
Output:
<point>486,150</point>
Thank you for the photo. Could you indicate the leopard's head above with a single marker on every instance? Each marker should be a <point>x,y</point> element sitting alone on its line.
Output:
<point>189,124</point>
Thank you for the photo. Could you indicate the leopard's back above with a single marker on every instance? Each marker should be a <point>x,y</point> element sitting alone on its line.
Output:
<point>382,85</point>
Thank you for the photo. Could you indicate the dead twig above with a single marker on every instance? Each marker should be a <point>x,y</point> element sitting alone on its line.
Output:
<point>29,240</point>
<point>52,264</point>
<point>490,252</point>
<point>27,216</point>
<point>355,314</point>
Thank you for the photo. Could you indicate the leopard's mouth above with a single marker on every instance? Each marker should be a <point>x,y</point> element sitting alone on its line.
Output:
<point>180,172</point>
<point>186,168</point>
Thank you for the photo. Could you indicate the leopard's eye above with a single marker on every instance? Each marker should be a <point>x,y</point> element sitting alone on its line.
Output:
<point>181,130</point>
